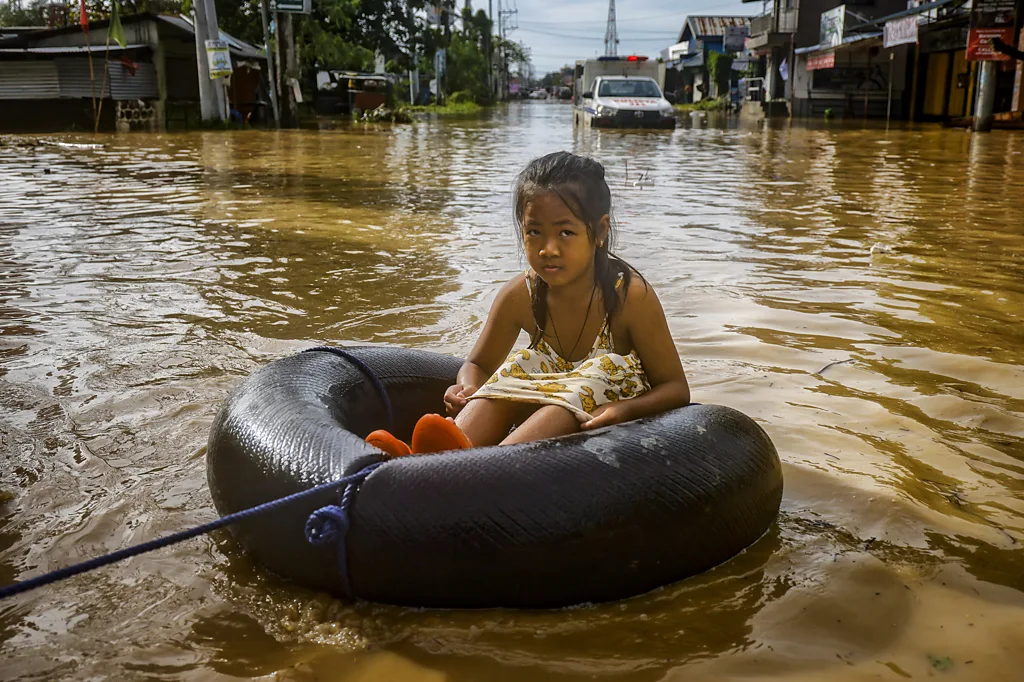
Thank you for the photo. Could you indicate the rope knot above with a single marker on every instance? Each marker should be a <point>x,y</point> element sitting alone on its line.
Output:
<point>327,525</point>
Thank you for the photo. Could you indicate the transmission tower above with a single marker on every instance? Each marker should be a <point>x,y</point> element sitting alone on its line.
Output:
<point>611,38</point>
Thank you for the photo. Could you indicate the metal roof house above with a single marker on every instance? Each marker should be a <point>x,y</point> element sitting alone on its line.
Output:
<point>700,32</point>
<point>151,84</point>
<point>685,61</point>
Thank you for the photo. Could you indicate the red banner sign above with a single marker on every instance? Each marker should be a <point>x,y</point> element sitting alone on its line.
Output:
<point>821,61</point>
<point>990,19</point>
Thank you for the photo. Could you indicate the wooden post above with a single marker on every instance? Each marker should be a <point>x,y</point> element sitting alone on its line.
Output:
<point>913,87</point>
<point>106,72</point>
<point>160,57</point>
<point>1017,102</point>
<point>888,106</point>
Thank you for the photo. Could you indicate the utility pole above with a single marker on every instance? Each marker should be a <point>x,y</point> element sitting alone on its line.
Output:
<point>212,100</point>
<point>611,37</point>
<point>289,70</point>
<point>985,103</point>
<point>489,48</point>
<point>503,30</point>
<point>271,80</point>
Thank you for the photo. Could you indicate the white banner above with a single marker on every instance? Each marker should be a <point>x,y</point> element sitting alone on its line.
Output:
<point>901,31</point>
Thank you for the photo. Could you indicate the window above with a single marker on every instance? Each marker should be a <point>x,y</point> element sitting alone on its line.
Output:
<point>629,88</point>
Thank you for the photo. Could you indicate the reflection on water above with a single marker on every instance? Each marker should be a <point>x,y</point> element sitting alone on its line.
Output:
<point>856,291</point>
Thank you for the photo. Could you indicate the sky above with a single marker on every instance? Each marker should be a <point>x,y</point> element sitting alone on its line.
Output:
<point>559,33</point>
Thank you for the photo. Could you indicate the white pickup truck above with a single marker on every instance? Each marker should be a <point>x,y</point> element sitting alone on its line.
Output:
<point>620,92</point>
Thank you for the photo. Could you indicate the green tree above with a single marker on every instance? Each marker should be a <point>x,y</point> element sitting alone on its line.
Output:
<point>10,15</point>
<point>720,70</point>
<point>240,18</point>
<point>467,67</point>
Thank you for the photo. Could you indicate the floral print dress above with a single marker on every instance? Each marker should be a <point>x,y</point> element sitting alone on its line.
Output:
<point>539,375</point>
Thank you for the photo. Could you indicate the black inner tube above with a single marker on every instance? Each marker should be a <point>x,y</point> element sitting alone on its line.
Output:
<point>590,517</point>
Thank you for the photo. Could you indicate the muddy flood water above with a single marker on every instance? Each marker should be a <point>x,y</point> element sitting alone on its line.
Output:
<point>860,293</point>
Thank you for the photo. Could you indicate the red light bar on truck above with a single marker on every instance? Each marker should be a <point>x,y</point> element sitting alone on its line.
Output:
<point>630,58</point>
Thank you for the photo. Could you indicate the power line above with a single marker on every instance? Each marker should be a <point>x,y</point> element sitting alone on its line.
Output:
<point>664,40</point>
<point>693,12</point>
<point>592,31</point>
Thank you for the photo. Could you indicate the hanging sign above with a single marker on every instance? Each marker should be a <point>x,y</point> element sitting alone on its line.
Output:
<point>832,29</point>
<point>219,58</point>
<point>826,60</point>
<point>900,32</point>
<point>734,38</point>
<point>990,19</point>
<point>293,6</point>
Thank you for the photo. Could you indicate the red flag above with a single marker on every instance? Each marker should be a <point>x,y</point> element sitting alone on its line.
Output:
<point>83,18</point>
<point>129,65</point>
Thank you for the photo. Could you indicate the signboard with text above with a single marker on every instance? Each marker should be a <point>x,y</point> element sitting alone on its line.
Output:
<point>826,60</point>
<point>833,27</point>
<point>218,57</point>
<point>990,19</point>
<point>901,31</point>
<point>293,6</point>
<point>735,38</point>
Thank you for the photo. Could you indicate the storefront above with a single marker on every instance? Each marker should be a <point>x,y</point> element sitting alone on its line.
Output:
<point>945,78</point>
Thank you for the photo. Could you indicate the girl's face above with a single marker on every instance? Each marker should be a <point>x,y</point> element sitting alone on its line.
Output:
<point>556,242</point>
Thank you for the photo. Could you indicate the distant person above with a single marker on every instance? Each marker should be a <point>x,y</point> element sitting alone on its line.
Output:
<point>617,360</point>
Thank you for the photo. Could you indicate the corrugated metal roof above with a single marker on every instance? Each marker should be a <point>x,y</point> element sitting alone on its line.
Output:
<point>708,26</point>
<point>69,78</point>
<point>67,50</point>
<point>73,75</point>
<point>126,85</point>
<point>236,46</point>
<point>28,80</point>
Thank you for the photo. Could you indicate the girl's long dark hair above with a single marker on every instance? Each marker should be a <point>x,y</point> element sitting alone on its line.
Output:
<point>579,182</point>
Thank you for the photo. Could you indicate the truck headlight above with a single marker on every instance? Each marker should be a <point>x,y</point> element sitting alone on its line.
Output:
<point>605,111</point>
<point>667,113</point>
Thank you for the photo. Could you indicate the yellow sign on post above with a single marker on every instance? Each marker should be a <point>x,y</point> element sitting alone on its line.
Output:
<point>219,58</point>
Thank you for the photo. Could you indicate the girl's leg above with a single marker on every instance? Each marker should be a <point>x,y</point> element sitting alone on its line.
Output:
<point>487,421</point>
<point>547,422</point>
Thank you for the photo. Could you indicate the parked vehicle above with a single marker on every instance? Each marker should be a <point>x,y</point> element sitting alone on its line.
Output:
<point>620,92</point>
<point>345,92</point>
<point>539,94</point>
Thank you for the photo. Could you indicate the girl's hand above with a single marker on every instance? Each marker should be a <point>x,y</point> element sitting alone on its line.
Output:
<point>456,397</point>
<point>606,415</point>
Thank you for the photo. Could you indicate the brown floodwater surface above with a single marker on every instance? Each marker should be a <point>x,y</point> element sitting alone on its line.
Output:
<point>858,292</point>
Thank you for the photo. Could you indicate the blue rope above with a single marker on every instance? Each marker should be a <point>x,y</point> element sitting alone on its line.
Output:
<point>350,482</point>
<point>365,369</point>
<point>329,525</point>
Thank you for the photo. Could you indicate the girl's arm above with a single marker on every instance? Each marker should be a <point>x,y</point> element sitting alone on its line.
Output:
<point>652,340</point>
<point>492,348</point>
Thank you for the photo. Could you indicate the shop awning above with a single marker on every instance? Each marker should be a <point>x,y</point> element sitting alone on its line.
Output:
<point>847,41</point>
<point>880,21</point>
<point>863,34</point>
<point>692,61</point>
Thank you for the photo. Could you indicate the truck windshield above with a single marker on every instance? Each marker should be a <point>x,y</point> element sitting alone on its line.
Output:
<point>628,88</point>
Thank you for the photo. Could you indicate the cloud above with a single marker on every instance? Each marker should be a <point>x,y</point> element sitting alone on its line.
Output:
<point>561,33</point>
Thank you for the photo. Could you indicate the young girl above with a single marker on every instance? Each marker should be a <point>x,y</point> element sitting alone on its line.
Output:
<point>600,349</point>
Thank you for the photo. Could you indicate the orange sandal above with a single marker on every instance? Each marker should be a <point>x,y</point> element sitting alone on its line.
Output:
<point>392,447</point>
<point>434,433</point>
